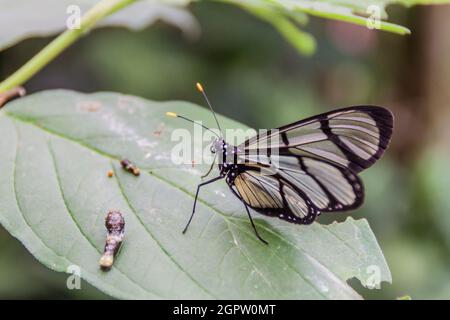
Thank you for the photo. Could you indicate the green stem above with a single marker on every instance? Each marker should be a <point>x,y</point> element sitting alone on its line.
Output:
<point>64,40</point>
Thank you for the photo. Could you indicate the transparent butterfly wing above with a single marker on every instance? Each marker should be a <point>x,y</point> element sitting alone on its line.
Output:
<point>320,185</point>
<point>354,137</point>
<point>273,196</point>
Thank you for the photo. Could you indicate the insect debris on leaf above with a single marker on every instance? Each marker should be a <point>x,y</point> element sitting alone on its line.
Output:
<point>130,167</point>
<point>115,226</point>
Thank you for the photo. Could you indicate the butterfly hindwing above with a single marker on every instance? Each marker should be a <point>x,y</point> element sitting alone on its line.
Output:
<point>304,186</point>
<point>273,195</point>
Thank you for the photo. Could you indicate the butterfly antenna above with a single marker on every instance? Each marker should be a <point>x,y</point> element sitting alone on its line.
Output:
<point>200,88</point>
<point>176,115</point>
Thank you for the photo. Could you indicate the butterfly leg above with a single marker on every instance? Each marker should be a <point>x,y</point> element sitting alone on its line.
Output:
<point>253,225</point>
<point>249,216</point>
<point>210,168</point>
<point>196,196</point>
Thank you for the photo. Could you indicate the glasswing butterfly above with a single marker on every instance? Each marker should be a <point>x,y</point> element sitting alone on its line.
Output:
<point>317,163</point>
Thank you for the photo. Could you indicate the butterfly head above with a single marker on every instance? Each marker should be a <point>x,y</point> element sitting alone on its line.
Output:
<point>218,145</point>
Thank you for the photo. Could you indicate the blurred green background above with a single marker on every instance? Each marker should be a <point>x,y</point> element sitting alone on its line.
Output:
<point>253,75</point>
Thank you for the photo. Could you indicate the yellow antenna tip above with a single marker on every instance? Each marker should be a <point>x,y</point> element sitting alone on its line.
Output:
<point>199,87</point>
<point>171,114</point>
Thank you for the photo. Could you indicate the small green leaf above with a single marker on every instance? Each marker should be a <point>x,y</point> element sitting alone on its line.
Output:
<point>55,152</point>
<point>351,11</point>
<point>302,41</point>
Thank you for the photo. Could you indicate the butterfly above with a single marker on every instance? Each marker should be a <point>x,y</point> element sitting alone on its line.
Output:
<point>314,169</point>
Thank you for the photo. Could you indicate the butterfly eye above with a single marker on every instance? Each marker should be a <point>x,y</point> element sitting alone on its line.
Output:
<point>213,150</point>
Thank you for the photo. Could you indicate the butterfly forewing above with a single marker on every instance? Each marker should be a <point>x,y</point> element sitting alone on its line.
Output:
<point>352,137</point>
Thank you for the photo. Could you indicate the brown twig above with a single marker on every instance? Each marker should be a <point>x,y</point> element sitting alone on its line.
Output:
<point>9,95</point>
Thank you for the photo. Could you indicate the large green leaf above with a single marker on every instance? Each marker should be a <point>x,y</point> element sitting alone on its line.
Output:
<point>55,151</point>
<point>20,19</point>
